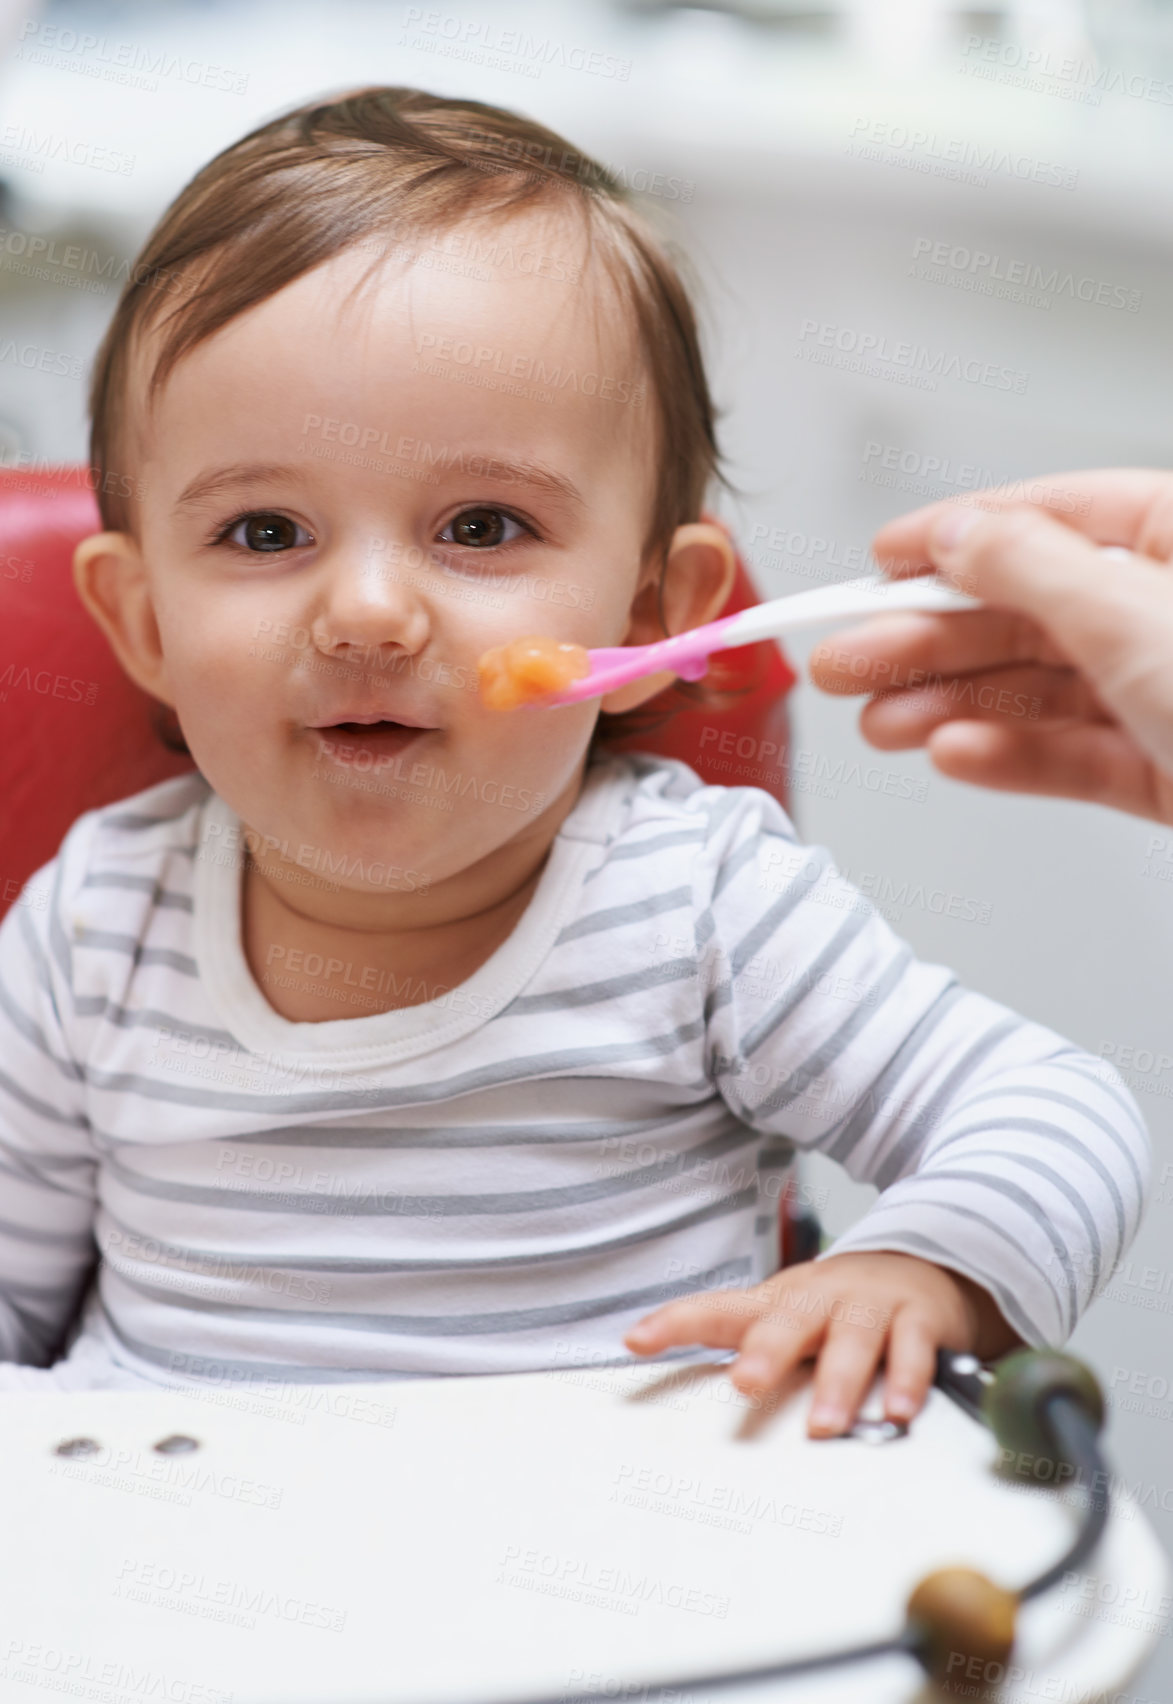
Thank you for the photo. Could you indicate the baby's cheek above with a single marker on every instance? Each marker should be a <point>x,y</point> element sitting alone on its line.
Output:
<point>540,749</point>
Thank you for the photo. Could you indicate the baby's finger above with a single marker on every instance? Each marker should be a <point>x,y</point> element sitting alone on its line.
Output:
<point>912,1364</point>
<point>774,1346</point>
<point>846,1367</point>
<point>717,1318</point>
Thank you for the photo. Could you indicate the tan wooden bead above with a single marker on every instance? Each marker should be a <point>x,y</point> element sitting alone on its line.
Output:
<point>966,1621</point>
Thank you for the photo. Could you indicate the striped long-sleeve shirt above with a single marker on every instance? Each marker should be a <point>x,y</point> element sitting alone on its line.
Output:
<point>506,1177</point>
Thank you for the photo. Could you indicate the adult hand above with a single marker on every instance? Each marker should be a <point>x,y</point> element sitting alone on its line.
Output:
<point>1064,685</point>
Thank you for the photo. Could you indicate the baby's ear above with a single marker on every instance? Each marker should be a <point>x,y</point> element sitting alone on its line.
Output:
<point>698,575</point>
<point>699,568</point>
<point>111,580</point>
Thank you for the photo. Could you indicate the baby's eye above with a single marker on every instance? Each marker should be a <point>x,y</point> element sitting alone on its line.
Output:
<point>481,529</point>
<point>266,532</point>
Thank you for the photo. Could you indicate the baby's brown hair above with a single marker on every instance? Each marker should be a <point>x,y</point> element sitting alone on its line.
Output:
<point>398,162</point>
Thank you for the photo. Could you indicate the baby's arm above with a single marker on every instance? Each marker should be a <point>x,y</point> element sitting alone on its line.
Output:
<point>47,1168</point>
<point>1012,1163</point>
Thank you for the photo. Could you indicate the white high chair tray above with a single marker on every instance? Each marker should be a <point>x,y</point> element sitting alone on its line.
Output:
<point>477,1540</point>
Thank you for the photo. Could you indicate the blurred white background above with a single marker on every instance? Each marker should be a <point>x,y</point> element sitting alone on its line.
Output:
<point>994,184</point>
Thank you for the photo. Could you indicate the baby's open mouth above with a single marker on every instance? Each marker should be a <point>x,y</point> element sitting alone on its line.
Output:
<point>358,730</point>
<point>357,743</point>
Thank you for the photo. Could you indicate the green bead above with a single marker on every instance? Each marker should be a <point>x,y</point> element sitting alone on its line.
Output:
<point>1013,1402</point>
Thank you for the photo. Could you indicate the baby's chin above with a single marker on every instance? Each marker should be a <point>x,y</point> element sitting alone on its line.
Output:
<point>393,837</point>
<point>390,811</point>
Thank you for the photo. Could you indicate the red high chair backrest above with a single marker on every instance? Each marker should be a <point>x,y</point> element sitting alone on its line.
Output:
<point>77,733</point>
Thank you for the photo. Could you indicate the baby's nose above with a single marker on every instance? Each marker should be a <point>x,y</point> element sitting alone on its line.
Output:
<point>366,605</point>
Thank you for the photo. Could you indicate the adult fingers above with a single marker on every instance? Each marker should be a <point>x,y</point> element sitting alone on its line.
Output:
<point>1101,765</point>
<point>891,651</point>
<point>896,721</point>
<point>1111,617</point>
<point>1132,506</point>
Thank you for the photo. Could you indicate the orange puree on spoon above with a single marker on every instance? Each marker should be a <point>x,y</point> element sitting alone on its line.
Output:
<point>526,669</point>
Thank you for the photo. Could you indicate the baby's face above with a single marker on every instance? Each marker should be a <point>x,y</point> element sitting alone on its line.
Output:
<point>348,501</point>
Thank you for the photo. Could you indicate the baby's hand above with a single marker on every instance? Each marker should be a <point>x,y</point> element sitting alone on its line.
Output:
<point>849,1311</point>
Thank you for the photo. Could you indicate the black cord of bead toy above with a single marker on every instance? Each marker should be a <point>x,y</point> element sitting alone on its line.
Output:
<point>1078,1445</point>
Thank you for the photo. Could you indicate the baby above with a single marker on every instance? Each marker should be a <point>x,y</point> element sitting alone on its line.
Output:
<point>407,1038</point>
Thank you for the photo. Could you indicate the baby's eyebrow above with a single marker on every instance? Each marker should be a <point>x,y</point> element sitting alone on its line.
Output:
<point>218,479</point>
<point>473,464</point>
<point>468,464</point>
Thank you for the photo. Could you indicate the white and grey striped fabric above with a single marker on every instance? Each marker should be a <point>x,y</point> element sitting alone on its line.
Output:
<point>506,1177</point>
